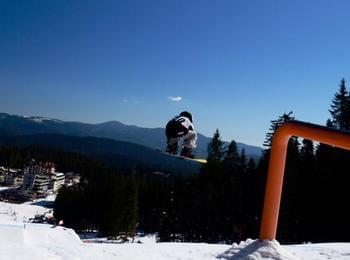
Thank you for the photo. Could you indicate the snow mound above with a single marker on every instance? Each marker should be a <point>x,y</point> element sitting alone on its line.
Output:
<point>37,241</point>
<point>257,249</point>
<point>37,234</point>
<point>24,241</point>
<point>20,212</point>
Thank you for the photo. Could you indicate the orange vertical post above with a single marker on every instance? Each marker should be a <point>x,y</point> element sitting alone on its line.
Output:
<point>277,163</point>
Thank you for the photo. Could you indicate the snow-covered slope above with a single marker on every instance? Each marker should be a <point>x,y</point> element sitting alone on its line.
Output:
<point>38,241</point>
<point>19,212</point>
<point>20,240</point>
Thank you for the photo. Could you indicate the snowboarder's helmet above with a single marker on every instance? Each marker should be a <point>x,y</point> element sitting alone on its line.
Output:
<point>186,114</point>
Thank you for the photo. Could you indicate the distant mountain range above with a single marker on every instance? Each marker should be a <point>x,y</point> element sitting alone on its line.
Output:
<point>151,137</point>
<point>118,154</point>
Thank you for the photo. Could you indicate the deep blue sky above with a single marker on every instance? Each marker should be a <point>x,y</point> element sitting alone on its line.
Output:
<point>235,64</point>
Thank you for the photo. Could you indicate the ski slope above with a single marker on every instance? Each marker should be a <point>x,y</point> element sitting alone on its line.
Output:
<point>20,240</point>
<point>20,212</point>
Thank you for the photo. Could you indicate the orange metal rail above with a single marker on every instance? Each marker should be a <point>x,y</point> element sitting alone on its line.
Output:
<point>277,163</point>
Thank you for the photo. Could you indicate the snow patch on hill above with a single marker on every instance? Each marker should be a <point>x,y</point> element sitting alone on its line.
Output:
<point>40,119</point>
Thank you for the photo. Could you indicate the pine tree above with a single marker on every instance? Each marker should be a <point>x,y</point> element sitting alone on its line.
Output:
<point>253,201</point>
<point>307,152</point>
<point>130,211</point>
<point>212,187</point>
<point>306,189</point>
<point>230,186</point>
<point>288,211</point>
<point>243,161</point>
<point>263,163</point>
<point>232,158</point>
<point>274,125</point>
<point>215,150</point>
<point>251,166</point>
<point>334,170</point>
<point>340,108</point>
<point>288,227</point>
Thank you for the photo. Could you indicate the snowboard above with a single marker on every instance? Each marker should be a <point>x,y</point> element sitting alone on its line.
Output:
<point>196,159</point>
<point>199,160</point>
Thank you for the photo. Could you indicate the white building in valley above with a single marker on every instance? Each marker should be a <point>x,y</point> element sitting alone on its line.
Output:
<point>37,177</point>
<point>57,181</point>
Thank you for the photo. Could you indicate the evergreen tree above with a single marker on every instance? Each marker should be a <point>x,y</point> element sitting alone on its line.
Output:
<point>251,166</point>
<point>264,159</point>
<point>274,125</point>
<point>332,172</point>
<point>288,210</point>
<point>288,227</point>
<point>211,188</point>
<point>243,161</point>
<point>129,214</point>
<point>252,200</point>
<point>231,187</point>
<point>323,191</point>
<point>215,150</point>
<point>307,189</point>
<point>232,158</point>
<point>340,108</point>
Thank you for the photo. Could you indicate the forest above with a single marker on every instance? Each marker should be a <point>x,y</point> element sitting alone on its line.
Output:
<point>223,203</point>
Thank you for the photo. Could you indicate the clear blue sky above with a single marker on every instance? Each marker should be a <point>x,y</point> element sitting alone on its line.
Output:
<point>235,64</point>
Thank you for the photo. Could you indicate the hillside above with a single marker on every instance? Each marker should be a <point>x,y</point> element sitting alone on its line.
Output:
<point>118,154</point>
<point>150,137</point>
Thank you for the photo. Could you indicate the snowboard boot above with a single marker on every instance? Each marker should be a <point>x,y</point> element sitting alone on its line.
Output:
<point>187,152</point>
<point>172,148</point>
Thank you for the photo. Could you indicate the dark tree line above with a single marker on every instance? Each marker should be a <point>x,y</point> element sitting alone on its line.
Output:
<point>215,205</point>
<point>211,206</point>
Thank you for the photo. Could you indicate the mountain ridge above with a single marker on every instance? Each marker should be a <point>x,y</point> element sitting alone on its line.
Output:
<point>116,130</point>
<point>118,154</point>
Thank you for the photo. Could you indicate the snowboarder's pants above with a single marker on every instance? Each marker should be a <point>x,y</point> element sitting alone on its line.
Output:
<point>189,140</point>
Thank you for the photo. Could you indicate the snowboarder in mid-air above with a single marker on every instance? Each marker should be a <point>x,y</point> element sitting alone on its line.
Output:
<point>181,127</point>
